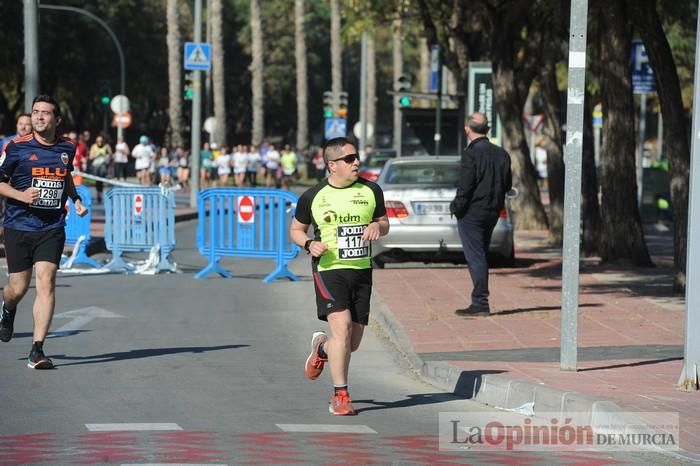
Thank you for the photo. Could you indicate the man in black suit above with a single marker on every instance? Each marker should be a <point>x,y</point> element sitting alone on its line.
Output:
<point>484,180</point>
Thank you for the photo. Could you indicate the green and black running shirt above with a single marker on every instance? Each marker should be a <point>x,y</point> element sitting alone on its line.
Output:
<point>339,217</point>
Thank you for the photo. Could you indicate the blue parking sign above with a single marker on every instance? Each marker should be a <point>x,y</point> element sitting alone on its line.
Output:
<point>643,81</point>
<point>335,128</point>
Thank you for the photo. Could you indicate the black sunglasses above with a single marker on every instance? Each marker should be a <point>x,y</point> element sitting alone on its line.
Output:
<point>350,158</point>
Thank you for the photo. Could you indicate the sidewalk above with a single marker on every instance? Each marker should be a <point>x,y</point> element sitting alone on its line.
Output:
<point>630,334</point>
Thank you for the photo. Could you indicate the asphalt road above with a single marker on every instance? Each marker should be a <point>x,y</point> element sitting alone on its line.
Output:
<point>169,369</point>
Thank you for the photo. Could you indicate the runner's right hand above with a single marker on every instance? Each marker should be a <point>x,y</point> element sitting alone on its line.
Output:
<point>317,248</point>
<point>29,196</point>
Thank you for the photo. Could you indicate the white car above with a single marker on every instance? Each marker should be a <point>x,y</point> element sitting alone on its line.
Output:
<point>417,195</point>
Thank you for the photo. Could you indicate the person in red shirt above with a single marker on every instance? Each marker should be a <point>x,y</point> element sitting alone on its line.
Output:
<point>81,154</point>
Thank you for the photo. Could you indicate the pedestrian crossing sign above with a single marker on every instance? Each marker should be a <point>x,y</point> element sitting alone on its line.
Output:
<point>197,56</point>
<point>335,128</point>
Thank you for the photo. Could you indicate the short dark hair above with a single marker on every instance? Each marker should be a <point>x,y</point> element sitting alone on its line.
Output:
<point>23,115</point>
<point>49,100</point>
<point>481,127</point>
<point>336,144</point>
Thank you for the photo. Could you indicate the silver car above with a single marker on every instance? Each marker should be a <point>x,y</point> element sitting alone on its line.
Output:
<point>417,195</point>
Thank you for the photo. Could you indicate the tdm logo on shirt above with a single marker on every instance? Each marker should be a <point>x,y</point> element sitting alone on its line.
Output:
<point>349,218</point>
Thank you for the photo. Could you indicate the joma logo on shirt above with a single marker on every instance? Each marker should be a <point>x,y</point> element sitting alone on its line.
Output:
<point>46,171</point>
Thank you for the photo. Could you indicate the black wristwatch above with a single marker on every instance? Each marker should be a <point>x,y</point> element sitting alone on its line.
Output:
<point>306,246</point>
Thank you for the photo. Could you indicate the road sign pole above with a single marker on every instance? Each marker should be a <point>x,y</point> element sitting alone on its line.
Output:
<point>438,105</point>
<point>195,146</point>
<point>689,375</point>
<point>572,184</point>
<point>642,137</point>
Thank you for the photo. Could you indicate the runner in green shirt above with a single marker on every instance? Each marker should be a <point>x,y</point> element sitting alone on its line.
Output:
<point>347,213</point>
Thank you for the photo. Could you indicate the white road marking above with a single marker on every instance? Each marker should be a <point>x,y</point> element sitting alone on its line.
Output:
<point>81,317</point>
<point>334,428</point>
<point>136,426</point>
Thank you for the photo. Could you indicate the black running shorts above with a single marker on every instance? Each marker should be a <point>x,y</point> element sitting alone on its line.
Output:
<point>23,249</point>
<point>341,289</point>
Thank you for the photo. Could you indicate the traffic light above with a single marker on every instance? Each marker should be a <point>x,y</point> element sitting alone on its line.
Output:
<point>343,105</point>
<point>189,87</point>
<point>328,104</point>
<point>105,99</point>
<point>404,84</point>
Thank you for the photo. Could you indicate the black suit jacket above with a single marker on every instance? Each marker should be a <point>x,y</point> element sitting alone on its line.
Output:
<point>484,179</point>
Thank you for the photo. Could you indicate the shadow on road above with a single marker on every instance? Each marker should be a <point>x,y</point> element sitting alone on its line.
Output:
<point>138,354</point>
<point>412,400</point>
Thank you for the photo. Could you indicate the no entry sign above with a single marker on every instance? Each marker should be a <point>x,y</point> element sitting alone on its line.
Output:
<point>246,209</point>
<point>138,204</point>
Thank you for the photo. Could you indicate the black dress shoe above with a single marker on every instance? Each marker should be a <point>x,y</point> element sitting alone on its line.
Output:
<point>473,311</point>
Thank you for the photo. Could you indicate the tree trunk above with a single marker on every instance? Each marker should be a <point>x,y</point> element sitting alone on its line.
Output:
<point>218,77</point>
<point>302,78</point>
<point>590,209</point>
<point>552,141</point>
<point>256,69</point>
<point>371,88</point>
<point>530,214</point>
<point>646,18</point>
<point>336,57</point>
<point>622,237</point>
<point>397,62</point>
<point>424,74</point>
<point>175,88</point>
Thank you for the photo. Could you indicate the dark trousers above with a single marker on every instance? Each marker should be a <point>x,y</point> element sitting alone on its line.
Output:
<point>475,232</point>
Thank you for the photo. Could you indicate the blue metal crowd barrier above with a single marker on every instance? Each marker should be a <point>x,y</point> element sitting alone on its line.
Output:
<point>78,231</point>
<point>245,222</point>
<point>136,220</point>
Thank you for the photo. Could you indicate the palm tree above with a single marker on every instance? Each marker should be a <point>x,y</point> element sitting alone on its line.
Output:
<point>175,88</point>
<point>336,56</point>
<point>371,87</point>
<point>424,74</point>
<point>302,77</point>
<point>256,69</point>
<point>218,72</point>
<point>398,70</point>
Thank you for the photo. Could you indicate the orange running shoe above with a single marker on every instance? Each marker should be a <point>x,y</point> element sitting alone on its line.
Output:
<point>314,363</point>
<point>341,404</point>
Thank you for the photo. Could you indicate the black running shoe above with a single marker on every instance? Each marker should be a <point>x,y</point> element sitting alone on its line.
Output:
<point>37,360</point>
<point>7,325</point>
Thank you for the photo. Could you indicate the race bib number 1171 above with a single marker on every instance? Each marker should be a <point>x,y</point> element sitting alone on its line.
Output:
<point>350,242</point>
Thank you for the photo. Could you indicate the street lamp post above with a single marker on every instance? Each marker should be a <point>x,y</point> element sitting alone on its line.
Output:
<point>31,54</point>
<point>122,66</point>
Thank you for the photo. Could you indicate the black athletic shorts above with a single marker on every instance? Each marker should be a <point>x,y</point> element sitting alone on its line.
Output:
<point>23,249</point>
<point>341,289</point>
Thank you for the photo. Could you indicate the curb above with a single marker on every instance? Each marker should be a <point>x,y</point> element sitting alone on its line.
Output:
<point>509,394</point>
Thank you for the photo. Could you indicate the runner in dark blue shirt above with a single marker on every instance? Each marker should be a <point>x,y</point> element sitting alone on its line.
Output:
<point>35,176</point>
